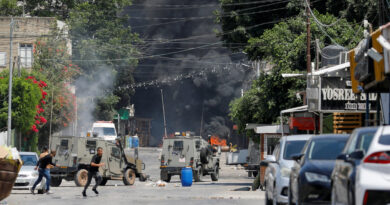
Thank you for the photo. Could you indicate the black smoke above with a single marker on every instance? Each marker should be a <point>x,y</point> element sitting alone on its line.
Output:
<point>217,75</point>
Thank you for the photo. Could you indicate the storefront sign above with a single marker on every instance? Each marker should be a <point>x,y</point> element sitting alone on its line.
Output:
<point>337,95</point>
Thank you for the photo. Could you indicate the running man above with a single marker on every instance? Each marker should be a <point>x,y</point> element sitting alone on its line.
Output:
<point>44,171</point>
<point>94,171</point>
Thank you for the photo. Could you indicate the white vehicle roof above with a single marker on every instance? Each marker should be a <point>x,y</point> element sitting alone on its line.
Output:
<point>103,124</point>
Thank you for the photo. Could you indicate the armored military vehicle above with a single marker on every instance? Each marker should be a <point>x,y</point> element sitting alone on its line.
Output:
<point>252,165</point>
<point>74,156</point>
<point>189,151</point>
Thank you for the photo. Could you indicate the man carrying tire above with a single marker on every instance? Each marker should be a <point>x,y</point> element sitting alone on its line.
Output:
<point>94,171</point>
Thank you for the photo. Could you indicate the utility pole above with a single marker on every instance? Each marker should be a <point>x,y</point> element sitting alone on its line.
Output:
<point>165,122</point>
<point>9,125</point>
<point>51,116</point>
<point>308,56</point>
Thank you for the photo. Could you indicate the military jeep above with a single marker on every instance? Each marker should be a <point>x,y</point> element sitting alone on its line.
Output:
<point>74,156</point>
<point>189,151</point>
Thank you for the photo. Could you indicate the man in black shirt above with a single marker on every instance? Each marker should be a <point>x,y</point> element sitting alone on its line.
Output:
<point>94,171</point>
<point>44,171</point>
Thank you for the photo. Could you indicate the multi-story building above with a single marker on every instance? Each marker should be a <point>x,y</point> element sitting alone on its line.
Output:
<point>26,32</point>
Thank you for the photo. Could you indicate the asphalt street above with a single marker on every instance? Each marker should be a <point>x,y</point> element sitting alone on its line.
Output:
<point>232,188</point>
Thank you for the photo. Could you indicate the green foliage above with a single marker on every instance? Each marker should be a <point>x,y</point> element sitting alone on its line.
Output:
<point>262,104</point>
<point>9,8</point>
<point>50,8</point>
<point>105,107</point>
<point>285,44</point>
<point>25,97</point>
<point>99,32</point>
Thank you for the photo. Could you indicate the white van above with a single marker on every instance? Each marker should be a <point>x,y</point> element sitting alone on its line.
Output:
<point>105,130</point>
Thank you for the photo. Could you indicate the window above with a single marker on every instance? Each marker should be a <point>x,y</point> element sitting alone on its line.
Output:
<point>293,147</point>
<point>178,146</point>
<point>3,58</point>
<point>26,55</point>
<point>29,160</point>
<point>326,149</point>
<point>115,152</point>
<point>104,131</point>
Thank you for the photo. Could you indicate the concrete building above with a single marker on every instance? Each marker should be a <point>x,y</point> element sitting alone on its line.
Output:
<point>26,32</point>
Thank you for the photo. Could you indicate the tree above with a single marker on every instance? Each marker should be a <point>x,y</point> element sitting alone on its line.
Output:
<point>52,62</point>
<point>284,46</point>
<point>269,94</point>
<point>102,42</point>
<point>9,8</point>
<point>26,96</point>
<point>50,8</point>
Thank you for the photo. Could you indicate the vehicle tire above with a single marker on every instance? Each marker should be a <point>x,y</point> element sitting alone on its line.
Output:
<point>267,201</point>
<point>204,153</point>
<point>198,175</point>
<point>55,181</point>
<point>215,175</point>
<point>81,177</point>
<point>164,176</point>
<point>103,182</point>
<point>142,177</point>
<point>254,174</point>
<point>249,174</point>
<point>129,177</point>
<point>351,195</point>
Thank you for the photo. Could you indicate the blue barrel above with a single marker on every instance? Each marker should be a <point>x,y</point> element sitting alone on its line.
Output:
<point>186,176</point>
<point>129,142</point>
<point>135,141</point>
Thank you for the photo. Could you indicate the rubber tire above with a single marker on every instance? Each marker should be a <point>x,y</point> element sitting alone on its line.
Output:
<point>204,153</point>
<point>198,175</point>
<point>129,177</point>
<point>215,175</point>
<point>103,182</point>
<point>165,176</point>
<point>55,181</point>
<point>81,177</point>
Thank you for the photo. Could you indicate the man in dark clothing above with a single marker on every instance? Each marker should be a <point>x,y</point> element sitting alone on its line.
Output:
<point>94,171</point>
<point>44,171</point>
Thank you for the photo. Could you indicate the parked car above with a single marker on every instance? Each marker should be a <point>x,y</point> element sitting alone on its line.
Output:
<point>372,165</point>
<point>277,173</point>
<point>310,175</point>
<point>343,178</point>
<point>27,175</point>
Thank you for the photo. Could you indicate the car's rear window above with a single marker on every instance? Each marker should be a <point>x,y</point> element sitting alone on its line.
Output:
<point>384,139</point>
<point>178,145</point>
<point>326,149</point>
<point>293,147</point>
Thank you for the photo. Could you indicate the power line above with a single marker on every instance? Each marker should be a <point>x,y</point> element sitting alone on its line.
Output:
<point>205,5</point>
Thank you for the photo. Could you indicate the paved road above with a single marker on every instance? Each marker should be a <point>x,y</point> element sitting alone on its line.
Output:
<point>207,192</point>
